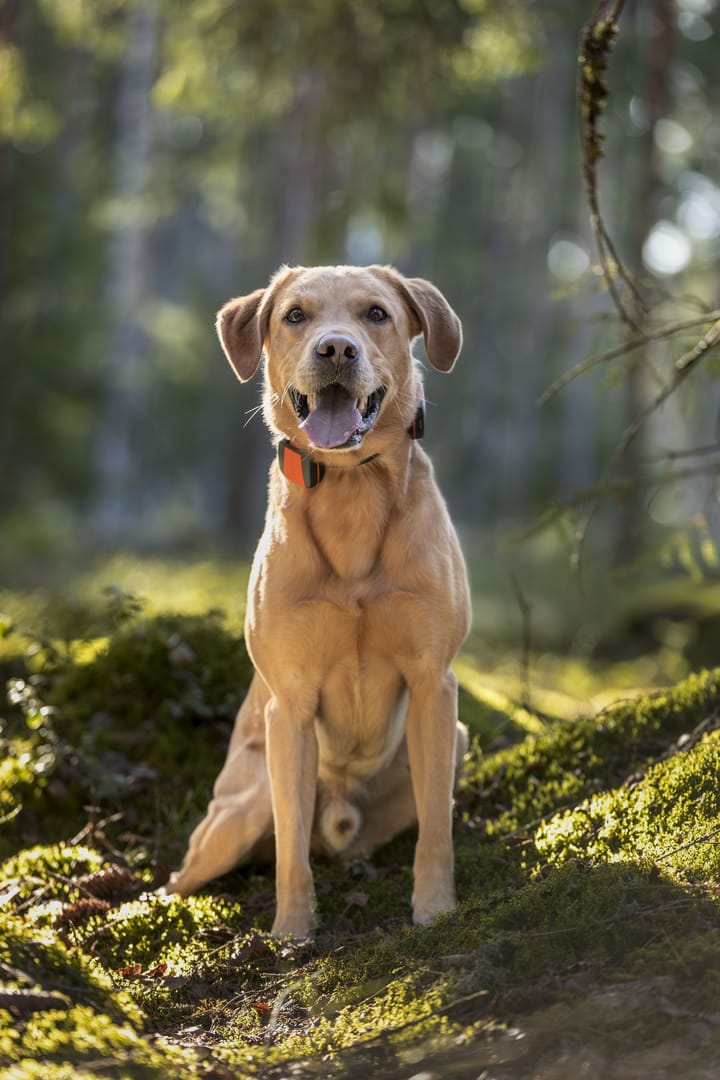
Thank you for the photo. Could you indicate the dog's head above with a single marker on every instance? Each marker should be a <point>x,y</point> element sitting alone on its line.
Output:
<point>340,372</point>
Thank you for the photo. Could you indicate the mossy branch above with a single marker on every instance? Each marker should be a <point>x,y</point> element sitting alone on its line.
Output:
<point>662,333</point>
<point>598,39</point>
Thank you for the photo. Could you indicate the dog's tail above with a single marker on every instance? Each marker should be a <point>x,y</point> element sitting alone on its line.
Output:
<point>339,823</point>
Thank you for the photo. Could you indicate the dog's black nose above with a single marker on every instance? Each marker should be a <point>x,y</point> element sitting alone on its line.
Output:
<point>339,348</point>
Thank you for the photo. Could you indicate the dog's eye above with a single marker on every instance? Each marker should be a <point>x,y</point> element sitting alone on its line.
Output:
<point>295,315</point>
<point>376,314</point>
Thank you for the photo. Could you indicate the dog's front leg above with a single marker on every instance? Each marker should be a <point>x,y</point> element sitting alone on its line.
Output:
<point>292,755</point>
<point>431,735</point>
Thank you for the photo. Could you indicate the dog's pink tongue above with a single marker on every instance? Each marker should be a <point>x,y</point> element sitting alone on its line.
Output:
<point>332,419</point>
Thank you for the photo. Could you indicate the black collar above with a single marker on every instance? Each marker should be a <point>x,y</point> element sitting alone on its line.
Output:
<point>300,468</point>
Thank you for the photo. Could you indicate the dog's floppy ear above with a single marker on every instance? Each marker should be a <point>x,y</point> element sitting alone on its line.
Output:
<point>435,320</point>
<point>241,327</point>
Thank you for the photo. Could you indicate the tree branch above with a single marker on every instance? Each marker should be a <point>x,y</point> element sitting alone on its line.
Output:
<point>598,38</point>
<point>663,332</point>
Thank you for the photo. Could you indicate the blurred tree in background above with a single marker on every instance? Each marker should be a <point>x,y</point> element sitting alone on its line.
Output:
<point>158,157</point>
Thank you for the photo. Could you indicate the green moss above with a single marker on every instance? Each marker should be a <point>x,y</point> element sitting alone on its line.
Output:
<point>670,817</point>
<point>164,669</point>
<point>48,870</point>
<point>516,787</point>
<point>36,959</point>
<point>155,929</point>
<point>587,873</point>
<point>18,774</point>
<point>491,716</point>
<point>141,729</point>
<point>404,1008</point>
<point>695,964</point>
<point>558,938</point>
<point>82,1037</point>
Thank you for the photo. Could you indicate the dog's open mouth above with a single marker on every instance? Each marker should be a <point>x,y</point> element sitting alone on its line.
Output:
<point>332,419</point>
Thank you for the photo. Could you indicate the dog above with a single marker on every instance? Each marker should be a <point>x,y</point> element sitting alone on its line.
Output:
<point>358,597</point>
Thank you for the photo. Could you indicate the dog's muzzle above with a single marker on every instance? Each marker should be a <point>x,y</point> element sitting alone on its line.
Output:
<point>334,419</point>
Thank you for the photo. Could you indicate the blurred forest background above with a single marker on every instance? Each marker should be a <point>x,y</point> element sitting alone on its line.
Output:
<point>157,158</point>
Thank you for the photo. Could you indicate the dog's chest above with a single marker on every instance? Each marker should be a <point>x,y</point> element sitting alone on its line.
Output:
<point>349,530</point>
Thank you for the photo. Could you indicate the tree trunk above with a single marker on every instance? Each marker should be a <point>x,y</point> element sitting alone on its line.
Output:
<point>659,52</point>
<point>8,31</point>
<point>117,507</point>
<point>542,124</point>
<point>505,453</point>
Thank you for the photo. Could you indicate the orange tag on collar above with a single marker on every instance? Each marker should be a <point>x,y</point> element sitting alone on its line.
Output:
<point>298,467</point>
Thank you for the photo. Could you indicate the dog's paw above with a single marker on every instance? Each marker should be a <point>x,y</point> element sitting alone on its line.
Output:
<point>299,929</point>
<point>426,908</point>
<point>175,886</point>
<point>295,915</point>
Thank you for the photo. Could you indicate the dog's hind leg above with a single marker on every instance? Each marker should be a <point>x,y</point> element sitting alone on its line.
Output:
<point>239,816</point>
<point>230,831</point>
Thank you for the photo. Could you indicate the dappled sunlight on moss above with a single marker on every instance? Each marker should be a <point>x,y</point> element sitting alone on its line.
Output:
<point>518,786</point>
<point>670,817</point>
<point>405,1008</point>
<point>104,731</point>
<point>84,1037</point>
<point>50,868</point>
<point>153,929</point>
<point>32,960</point>
<point>489,713</point>
<point>17,775</point>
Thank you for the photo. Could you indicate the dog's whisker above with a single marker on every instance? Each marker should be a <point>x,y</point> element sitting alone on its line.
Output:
<point>252,413</point>
<point>402,404</point>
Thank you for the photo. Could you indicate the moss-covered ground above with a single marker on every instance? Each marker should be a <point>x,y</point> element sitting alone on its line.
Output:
<point>586,942</point>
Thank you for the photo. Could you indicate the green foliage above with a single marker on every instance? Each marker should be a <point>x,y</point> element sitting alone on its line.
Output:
<point>29,123</point>
<point>158,698</point>
<point>54,866</point>
<point>166,669</point>
<point>387,41</point>
<point>158,929</point>
<point>35,960</point>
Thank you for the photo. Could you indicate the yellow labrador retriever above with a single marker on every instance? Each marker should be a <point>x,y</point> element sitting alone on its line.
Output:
<point>358,597</point>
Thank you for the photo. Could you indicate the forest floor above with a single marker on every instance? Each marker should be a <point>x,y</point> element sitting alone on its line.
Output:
<point>586,941</point>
